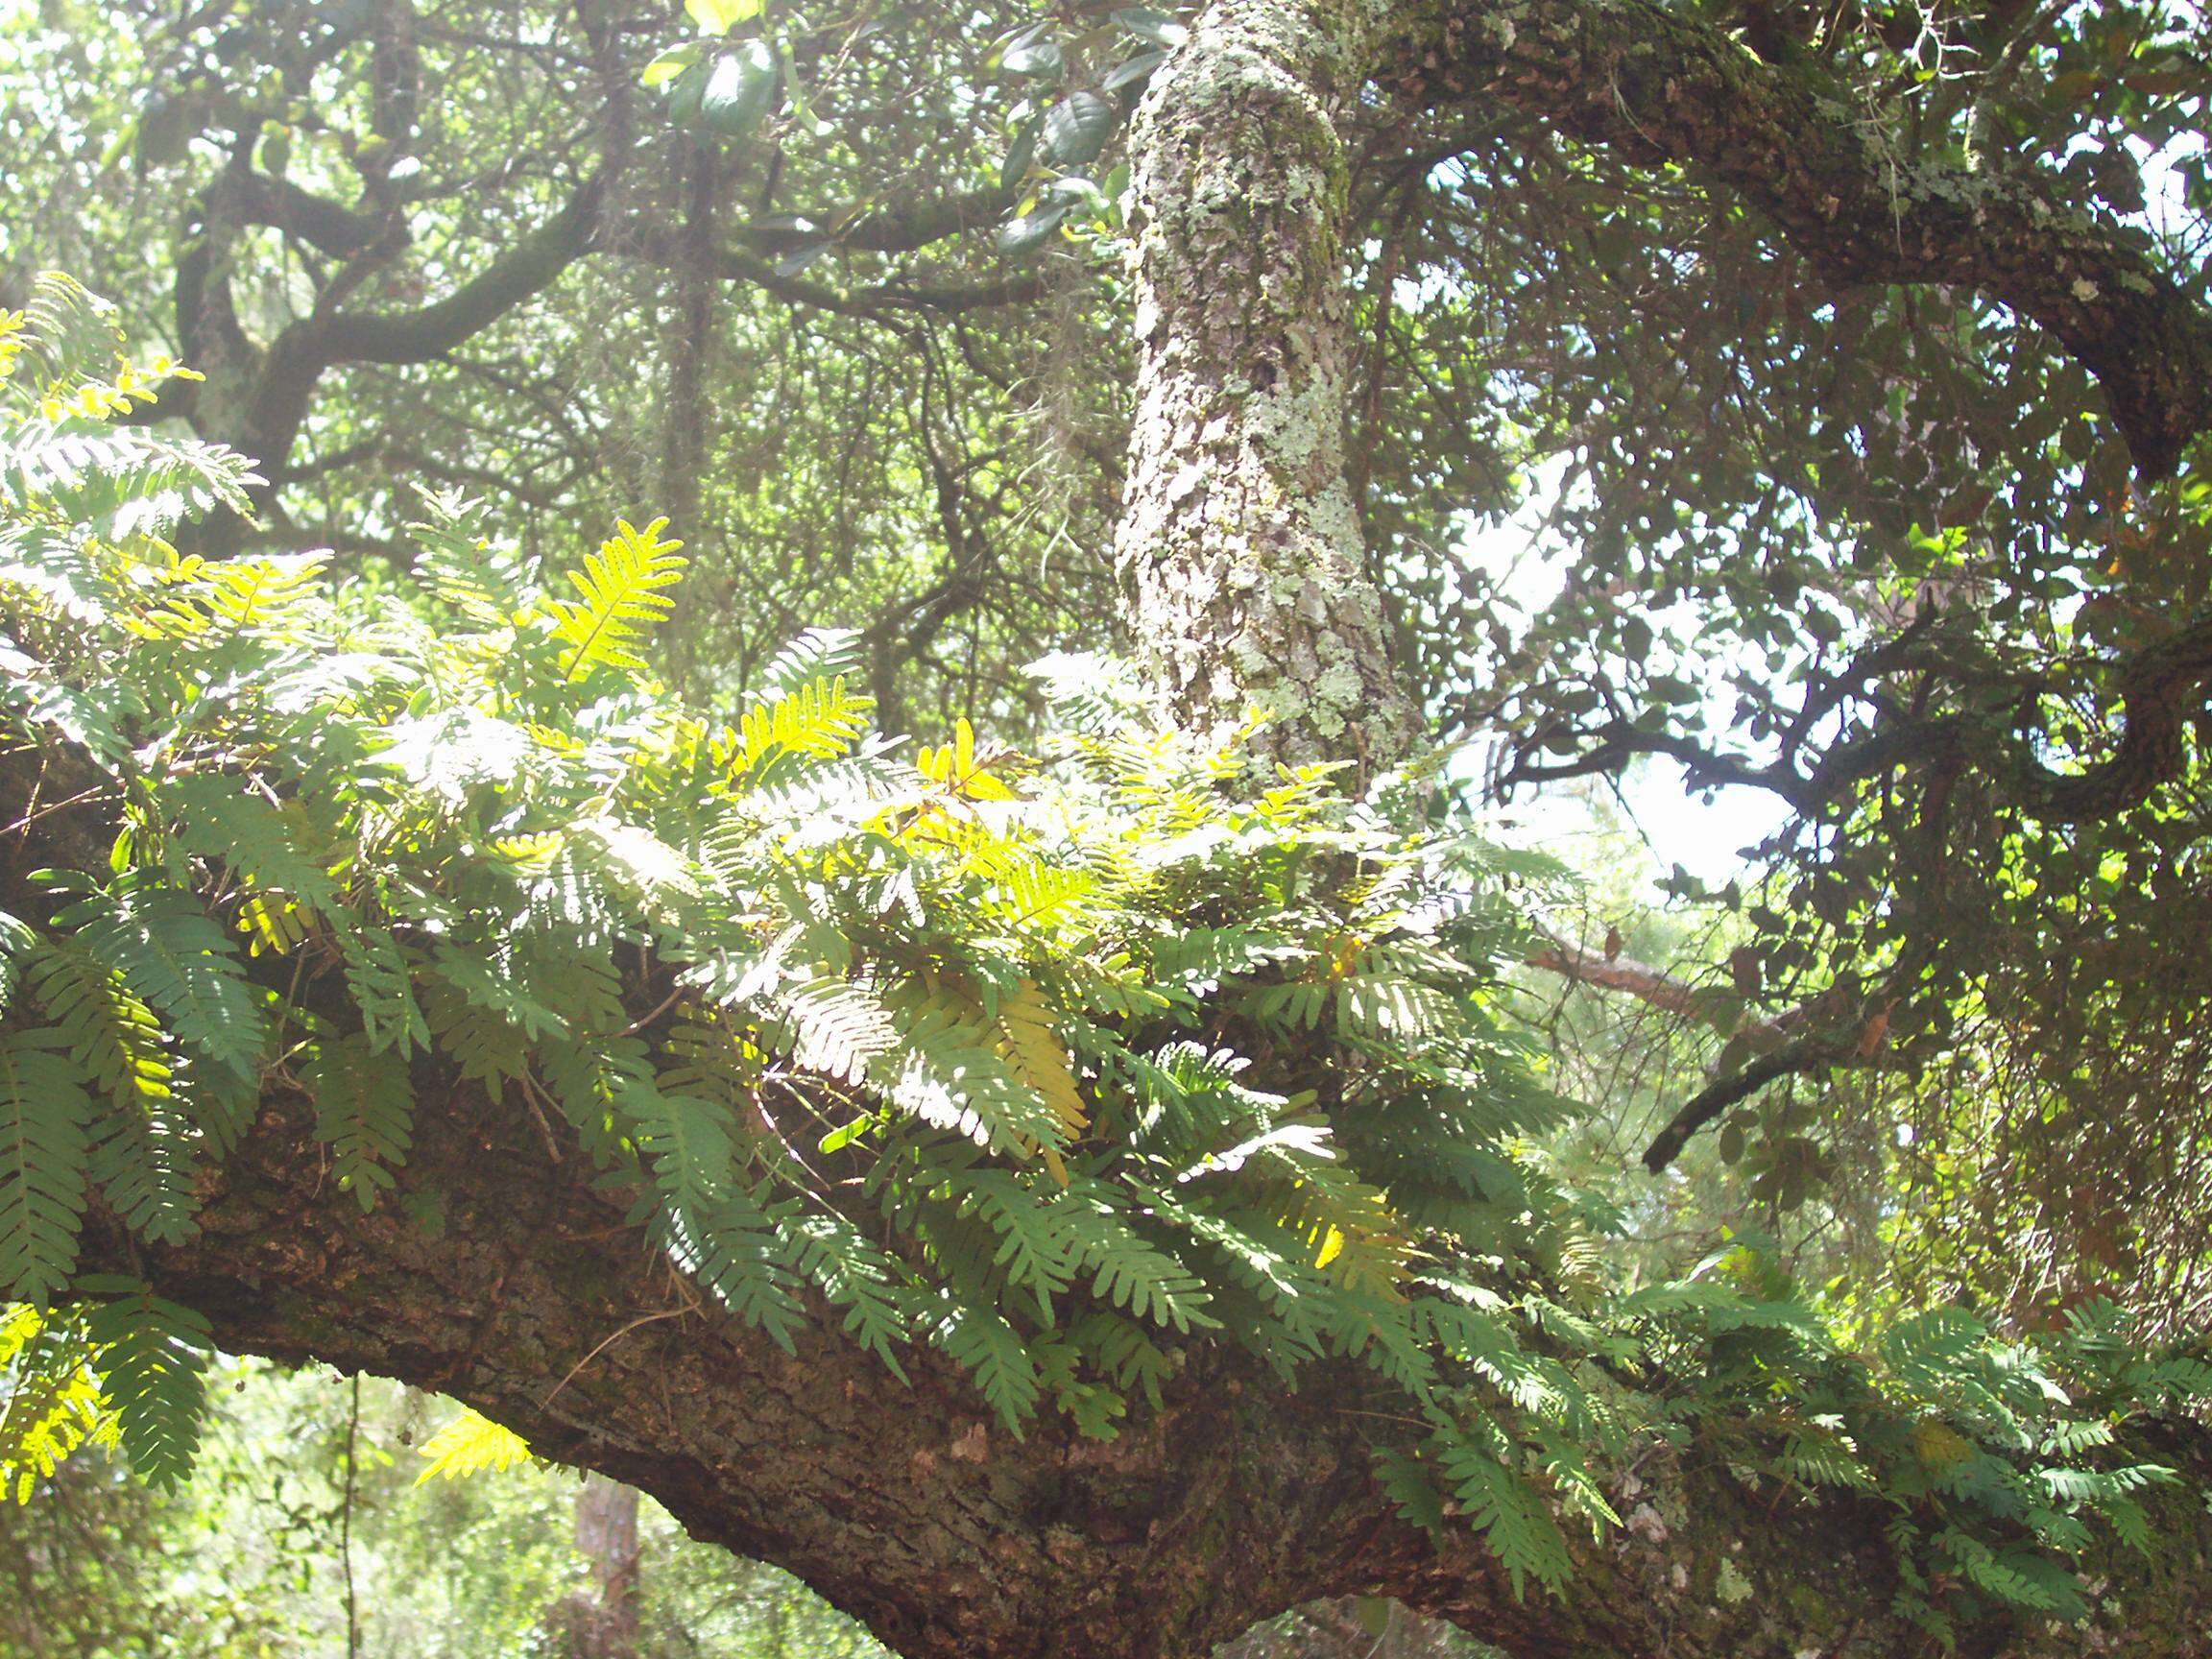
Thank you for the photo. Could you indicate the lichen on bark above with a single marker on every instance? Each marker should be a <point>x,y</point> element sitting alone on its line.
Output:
<point>1240,537</point>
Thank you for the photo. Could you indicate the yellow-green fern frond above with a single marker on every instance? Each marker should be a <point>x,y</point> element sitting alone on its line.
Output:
<point>622,587</point>
<point>469,1444</point>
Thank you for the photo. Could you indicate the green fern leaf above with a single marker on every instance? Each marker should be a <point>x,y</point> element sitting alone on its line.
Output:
<point>363,1108</point>
<point>44,1119</point>
<point>713,1227</point>
<point>622,587</point>
<point>817,656</point>
<point>994,1353</point>
<point>50,1401</point>
<point>145,1164</point>
<point>152,1356</point>
<point>177,960</point>
<point>113,1037</point>
<point>1499,1504</point>
<point>488,582</point>
<point>870,1287</point>
<point>382,987</point>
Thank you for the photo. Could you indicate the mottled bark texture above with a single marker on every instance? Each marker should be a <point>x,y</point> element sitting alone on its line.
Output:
<point>1239,538</point>
<point>507,1280</point>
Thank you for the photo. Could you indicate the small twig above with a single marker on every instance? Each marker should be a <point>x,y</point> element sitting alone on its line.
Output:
<point>532,1093</point>
<point>22,824</point>
<point>645,1020</point>
<point>641,1319</point>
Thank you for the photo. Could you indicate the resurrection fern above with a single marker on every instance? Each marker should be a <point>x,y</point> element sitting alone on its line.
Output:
<point>44,1144</point>
<point>363,1108</point>
<point>468,1445</point>
<point>1063,1063</point>
<point>51,1401</point>
<point>152,1358</point>
<point>623,586</point>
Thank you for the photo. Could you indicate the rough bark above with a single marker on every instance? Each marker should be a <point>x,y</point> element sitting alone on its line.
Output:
<point>1240,537</point>
<point>505,1280</point>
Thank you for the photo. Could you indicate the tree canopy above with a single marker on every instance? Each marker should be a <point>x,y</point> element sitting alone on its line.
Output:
<point>1124,1107</point>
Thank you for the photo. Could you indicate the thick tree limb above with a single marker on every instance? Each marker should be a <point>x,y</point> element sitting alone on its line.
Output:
<point>324,224</point>
<point>523,272</point>
<point>1804,1054</point>
<point>504,1279</point>
<point>881,230</point>
<point>1666,87</point>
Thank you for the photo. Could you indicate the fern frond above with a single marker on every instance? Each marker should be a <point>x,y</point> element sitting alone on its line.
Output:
<point>152,1356</point>
<point>381,984</point>
<point>994,1353</point>
<point>713,1227</point>
<point>489,582</point>
<point>44,1124</point>
<point>364,1107</point>
<point>1131,1272</point>
<point>623,586</point>
<point>45,705</point>
<point>119,483</point>
<point>468,1445</point>
<point>69,335</point>
<point>833,1026</point>
<point>113,1036</point>
<point>178,962</point>
<point>266,595</point>
<point>870,1287</point>
<point>818,721</point>
<point>145,1164</point>
<point>1501,1505</point>
<point>50,1402</point>
<point>818,656</point>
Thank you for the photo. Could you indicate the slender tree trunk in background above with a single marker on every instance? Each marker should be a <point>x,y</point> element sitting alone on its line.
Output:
<point>1240,537</point>
<point>604,1625</point>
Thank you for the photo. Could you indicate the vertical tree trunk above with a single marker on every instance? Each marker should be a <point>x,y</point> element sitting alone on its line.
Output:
<point>1239,535</point>
<point>604,1625</point>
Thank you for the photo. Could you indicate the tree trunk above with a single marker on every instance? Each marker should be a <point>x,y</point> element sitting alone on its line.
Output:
<point>510,1281</point>
<point>1240,537</point>
<point>602,1623</point>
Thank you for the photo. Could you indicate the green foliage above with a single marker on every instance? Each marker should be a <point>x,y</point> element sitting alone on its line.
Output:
<point>363,1104</point>
<point>1059,1062</point>
<point>468,1445</point>
<point>44,1144</point>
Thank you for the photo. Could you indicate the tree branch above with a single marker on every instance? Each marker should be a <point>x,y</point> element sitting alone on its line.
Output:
<point>523,272</point>
<point>1662,86</point>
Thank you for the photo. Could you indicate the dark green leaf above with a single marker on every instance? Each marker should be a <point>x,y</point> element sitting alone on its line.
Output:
<point>1076,129</point>
<point>1155,28</point>
<point>739,87</point>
